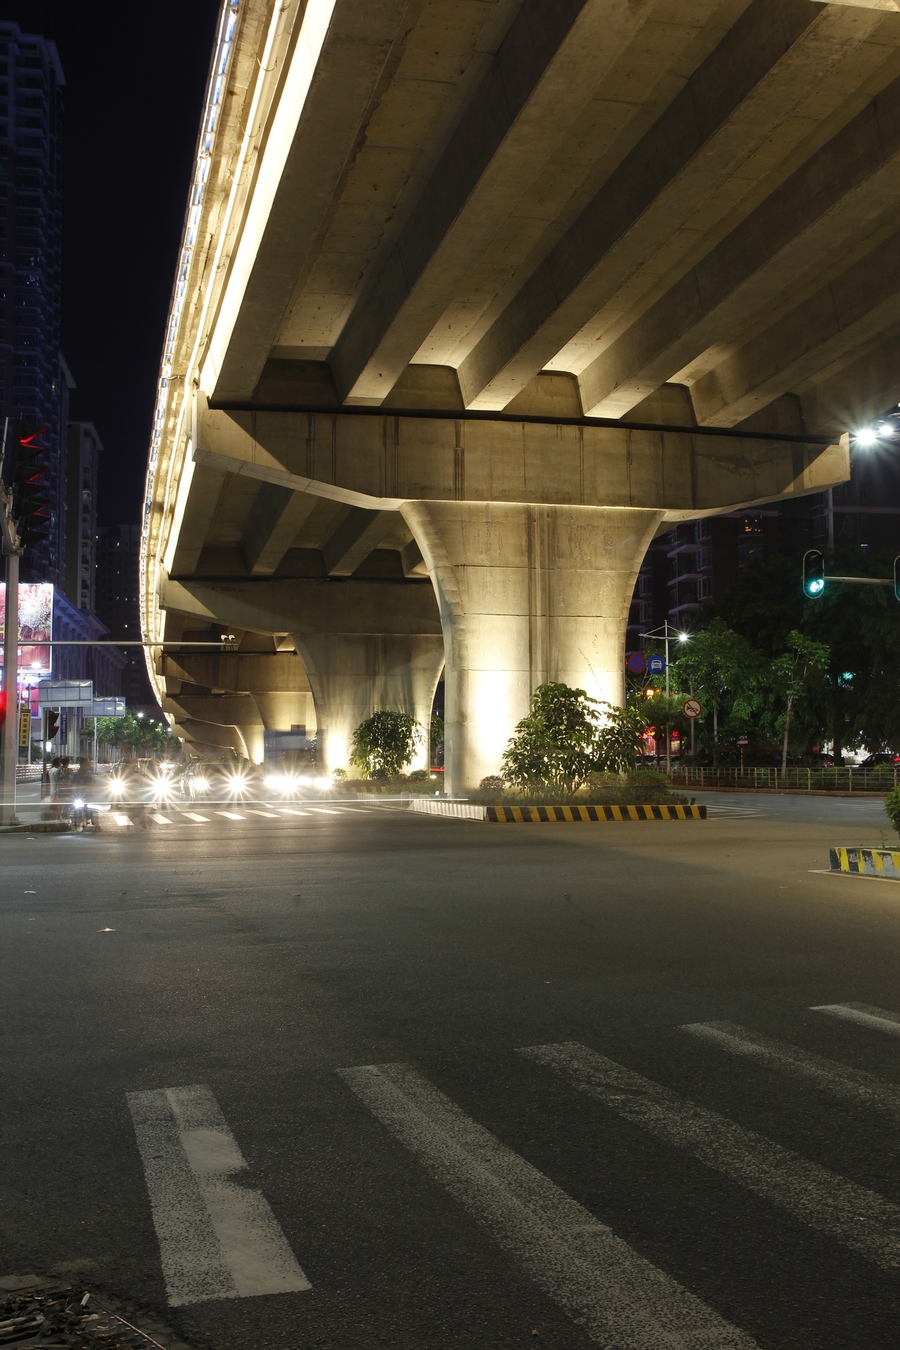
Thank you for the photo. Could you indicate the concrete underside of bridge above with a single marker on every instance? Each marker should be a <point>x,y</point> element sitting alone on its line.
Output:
<point>427,243</point>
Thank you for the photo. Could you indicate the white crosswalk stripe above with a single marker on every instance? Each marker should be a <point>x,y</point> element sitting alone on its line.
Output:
<point>732,811</point>
<point>230,815</point>
<point>217,1237</point>
<point>813,1194</point>
<point>878,1019</point>
<point>161,820</point>
<point>853,1085</point>
<point>614,1293</point>
<point>192,815</point>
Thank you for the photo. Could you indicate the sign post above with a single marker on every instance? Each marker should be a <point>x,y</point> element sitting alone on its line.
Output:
<point>692,708</point>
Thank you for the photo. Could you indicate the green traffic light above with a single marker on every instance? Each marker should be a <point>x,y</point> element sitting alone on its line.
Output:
<point>813,573</point>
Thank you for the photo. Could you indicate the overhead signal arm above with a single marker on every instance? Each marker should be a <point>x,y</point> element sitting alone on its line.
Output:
<point>814,577</point>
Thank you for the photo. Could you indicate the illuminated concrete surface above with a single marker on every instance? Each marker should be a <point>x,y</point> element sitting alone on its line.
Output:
<point>405,219</point>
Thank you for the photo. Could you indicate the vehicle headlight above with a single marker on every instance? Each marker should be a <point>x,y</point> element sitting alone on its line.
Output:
<point>201,785</point>
<point>116,787</point>
<point>236,783</point>
<point>323,783</point>
<point>78,804</point>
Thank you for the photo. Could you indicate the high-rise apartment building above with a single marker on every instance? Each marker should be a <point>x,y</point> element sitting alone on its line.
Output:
<point>118,561</point>
<point>34,383</point>
<point>82,468</point>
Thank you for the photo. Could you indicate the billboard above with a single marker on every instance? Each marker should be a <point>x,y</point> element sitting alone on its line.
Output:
<point>35,622</point>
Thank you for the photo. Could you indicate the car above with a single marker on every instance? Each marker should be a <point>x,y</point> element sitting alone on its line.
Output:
<point>882,757</point>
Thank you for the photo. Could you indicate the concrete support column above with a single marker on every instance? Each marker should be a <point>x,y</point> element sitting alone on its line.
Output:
<point>352,675</point>
<point>527,594</point>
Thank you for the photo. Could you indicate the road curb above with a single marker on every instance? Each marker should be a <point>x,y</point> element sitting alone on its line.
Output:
<point>780,792</point>
<point>40,827</point>
<point>868,862</point>
<point>544,815</point>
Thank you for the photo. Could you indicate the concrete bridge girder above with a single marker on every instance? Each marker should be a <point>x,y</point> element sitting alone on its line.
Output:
<point>532,536</point>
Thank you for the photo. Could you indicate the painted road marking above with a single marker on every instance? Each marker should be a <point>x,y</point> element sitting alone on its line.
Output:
<point>192,815</point>
<point>288,811</point>
<point>231,815</point>
<point>598,1279</point>
<point>161,820</point>
<point>217,1238</point>
<point>820,1198</point>
<point>852,1085</point>
<point>863,1013</point>
<point>270,815</point>
<point>324,810</point>
<point>121,820</point>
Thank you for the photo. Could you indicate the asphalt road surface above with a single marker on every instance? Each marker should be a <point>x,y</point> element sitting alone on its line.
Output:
<point>360,1078</point>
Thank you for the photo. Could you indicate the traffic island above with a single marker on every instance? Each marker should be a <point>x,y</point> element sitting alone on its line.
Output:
<point>866,862</point>
<point>548,814</point>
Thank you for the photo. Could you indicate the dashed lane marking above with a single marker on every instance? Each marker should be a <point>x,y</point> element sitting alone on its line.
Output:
<point>852,1085</point>
<point>879,1019</point>
<point>813,1194</point>
<point>217,1237</point>
<point>608,1288</point>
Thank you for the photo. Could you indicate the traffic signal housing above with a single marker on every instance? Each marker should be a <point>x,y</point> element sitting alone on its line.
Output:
<point>813,573</point>
<point>25,475</point>
<point>51,723</point>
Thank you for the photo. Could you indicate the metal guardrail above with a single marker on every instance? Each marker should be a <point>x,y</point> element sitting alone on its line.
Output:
<point>882,778</point>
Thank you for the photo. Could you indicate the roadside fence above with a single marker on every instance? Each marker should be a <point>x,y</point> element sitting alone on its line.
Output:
<point>881,779</point>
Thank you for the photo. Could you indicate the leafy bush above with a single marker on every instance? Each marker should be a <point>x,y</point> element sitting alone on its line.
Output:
<point>568,737</point>
<point>493,783</point>
<point>384,743</point>
<point>892,807</point>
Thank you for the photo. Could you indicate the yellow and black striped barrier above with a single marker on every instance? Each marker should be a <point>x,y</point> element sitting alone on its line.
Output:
<point>523,814</point>
<point>866,862</point>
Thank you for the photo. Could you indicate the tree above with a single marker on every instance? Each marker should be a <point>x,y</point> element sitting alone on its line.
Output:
<point>660,711</point>
<point>792,672</point>
<point>619,740</point>
<point>135,734</point>
<point>857,700</point>
<point>556,742</point>
<point>385,743</point>
<point>717,661</point>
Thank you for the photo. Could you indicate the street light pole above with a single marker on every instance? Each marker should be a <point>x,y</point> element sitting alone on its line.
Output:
<point>655,635</point>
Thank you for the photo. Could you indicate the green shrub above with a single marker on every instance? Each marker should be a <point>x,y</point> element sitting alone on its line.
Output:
<point>892,807</point>
<point>385,743</point>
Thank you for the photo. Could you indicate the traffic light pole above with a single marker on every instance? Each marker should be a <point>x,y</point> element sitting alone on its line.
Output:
<point>10,732</point>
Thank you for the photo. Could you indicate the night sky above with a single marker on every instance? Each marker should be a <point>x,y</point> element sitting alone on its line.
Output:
<point>135,76</point>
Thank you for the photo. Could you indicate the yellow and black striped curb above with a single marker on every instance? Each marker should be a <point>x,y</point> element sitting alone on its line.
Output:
<point>523,814</point>
<point>866,862</point>
<point>40,827</point>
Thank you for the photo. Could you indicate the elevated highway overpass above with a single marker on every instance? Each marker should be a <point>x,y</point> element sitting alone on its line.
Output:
<point>474,298</point>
